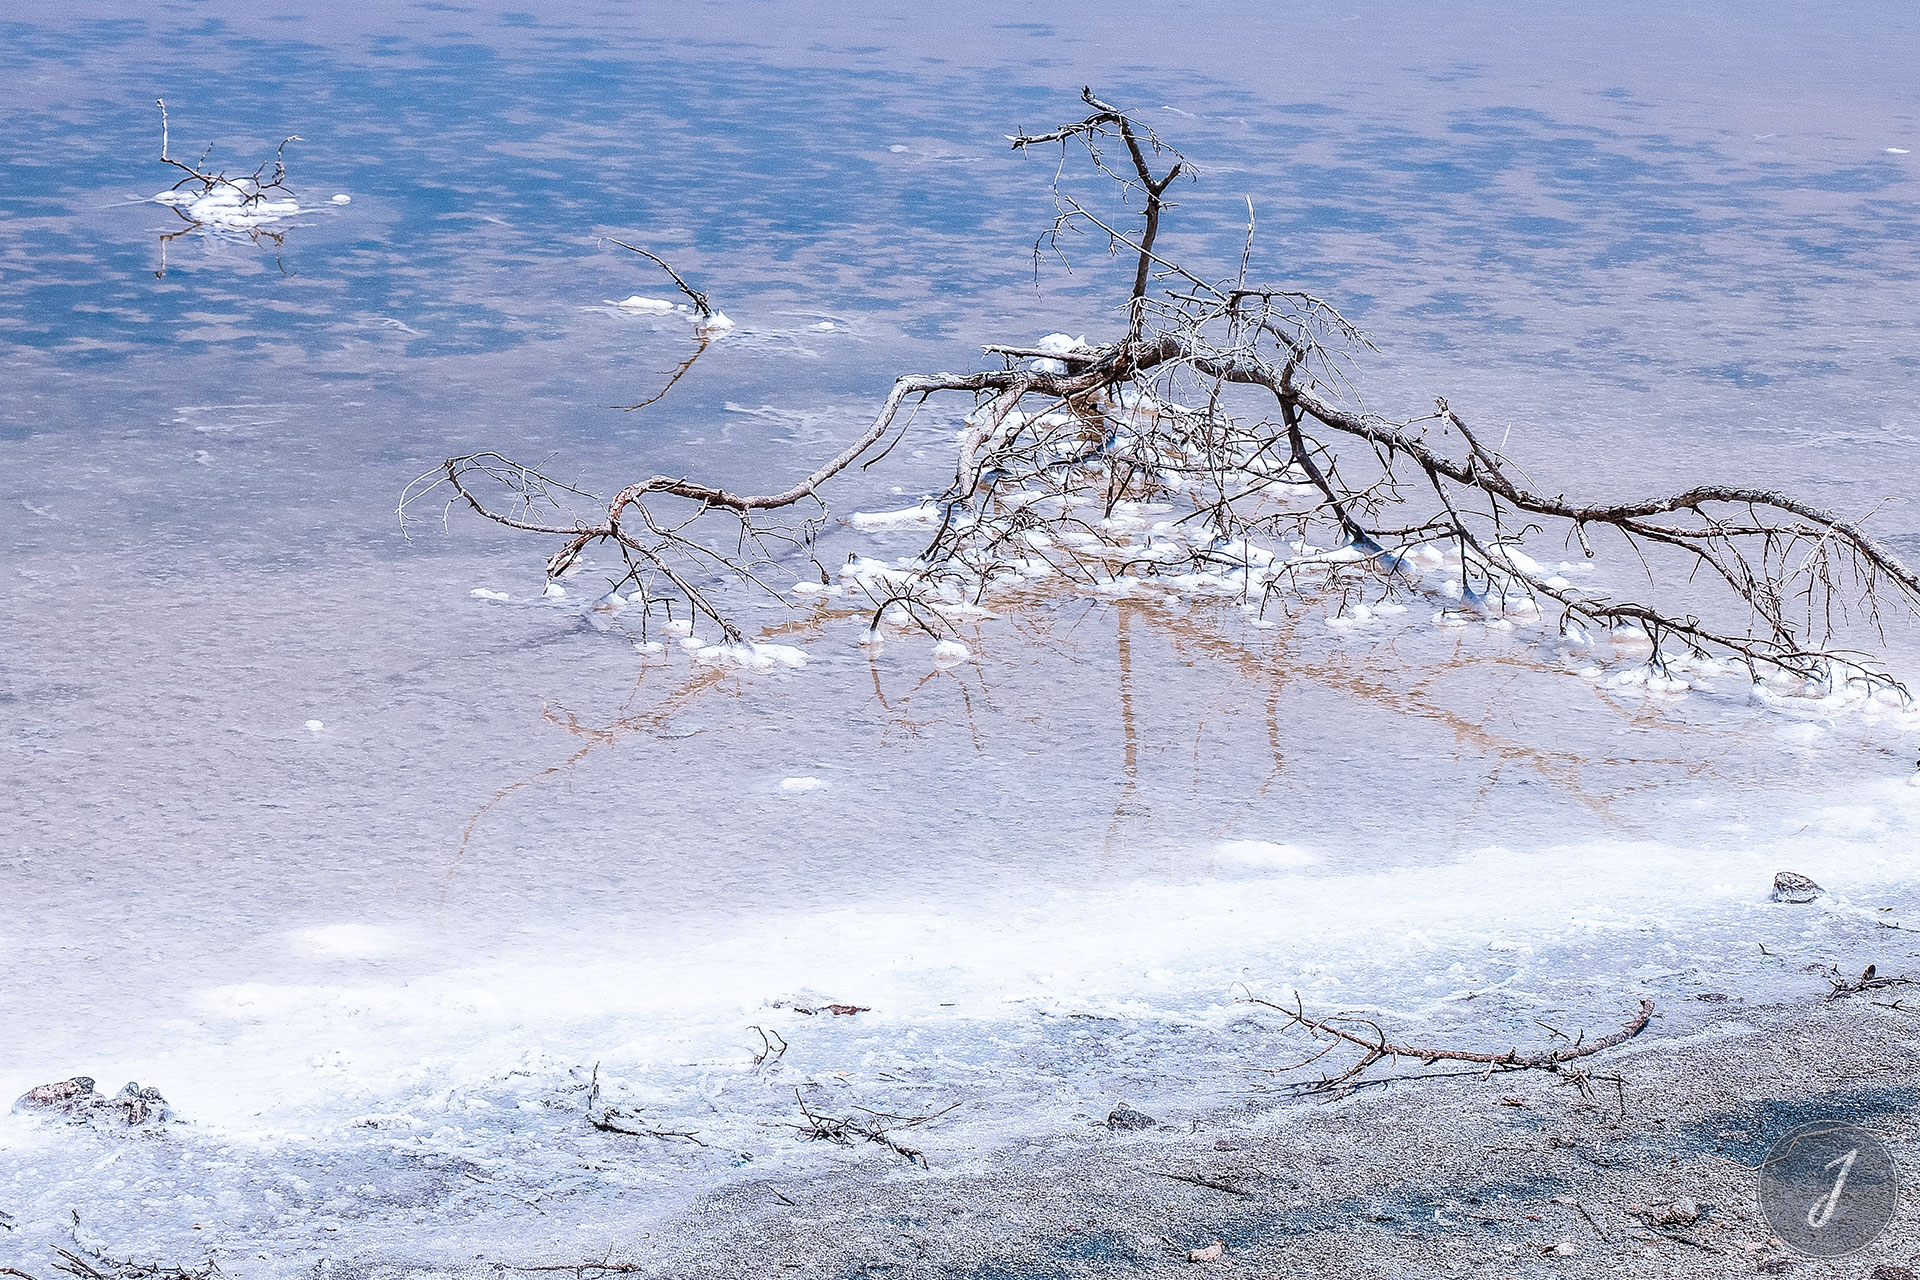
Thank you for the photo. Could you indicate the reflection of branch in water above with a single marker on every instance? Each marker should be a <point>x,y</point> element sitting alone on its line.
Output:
<point>1125,807</point>
<point>1413,689</point>
<point>705,341</point>
<point>896,707</point>
<point>1255,676</point>
<point>654,720</point>
<point>255,234</point>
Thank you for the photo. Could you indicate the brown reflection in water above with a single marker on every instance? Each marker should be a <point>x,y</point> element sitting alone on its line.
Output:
<point>1128,805</point>
<point>1414,688</point>
<point>1261,670</point>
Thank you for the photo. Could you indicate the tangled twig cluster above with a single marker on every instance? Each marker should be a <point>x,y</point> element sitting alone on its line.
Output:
<point>868,1126</point>
<point>210,200</point>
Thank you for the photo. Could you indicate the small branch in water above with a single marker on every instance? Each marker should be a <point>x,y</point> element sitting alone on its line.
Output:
<point>612,1119</point>
<point>1339,1030</point>
<point>878,1127</point>
<point>698,298</point>
<point>1870,979</point>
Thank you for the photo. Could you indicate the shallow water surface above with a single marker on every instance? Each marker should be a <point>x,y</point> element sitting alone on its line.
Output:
<point>365,871</point>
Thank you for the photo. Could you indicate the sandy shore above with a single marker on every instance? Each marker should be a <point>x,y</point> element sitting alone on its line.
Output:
<point>1436,1178</point>
<point>1520,1174</point>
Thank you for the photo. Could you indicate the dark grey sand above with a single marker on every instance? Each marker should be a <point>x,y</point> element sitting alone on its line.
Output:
<point>1439,1178</point>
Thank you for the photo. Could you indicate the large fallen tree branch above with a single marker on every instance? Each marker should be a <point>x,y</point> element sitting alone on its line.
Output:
<point>1215,449</point>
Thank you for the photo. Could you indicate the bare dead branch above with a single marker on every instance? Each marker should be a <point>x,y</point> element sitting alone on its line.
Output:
<point>214,203</point>
<point>872,1126</point>
<point>1870,980</point>
<point>1366,1036</point>
<point>615,1119</point>
<point>1226,404</point>
<point>698,298</point>
<point>103,1268</point>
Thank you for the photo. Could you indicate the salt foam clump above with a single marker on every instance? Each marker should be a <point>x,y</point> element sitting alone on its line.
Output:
<point>1056,342</point>
<point>229,206</point>
<point>755,657</point>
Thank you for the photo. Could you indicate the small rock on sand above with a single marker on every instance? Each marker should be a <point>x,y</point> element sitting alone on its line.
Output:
<point>1209,1254</point>
<point>81,1103</point>
<point>1679,1213</point>
<point>1791,886</point>
<point>1125,1117</point>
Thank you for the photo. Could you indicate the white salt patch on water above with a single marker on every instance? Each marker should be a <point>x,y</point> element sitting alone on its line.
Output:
<point>1898,151</point>
<point>648,646</point>
<point>651,306</point>
<point>755,657</point>
<point>716,322</point>
<point>802,784</point>
<point>360,940</point>
<point>229,206</point>
<point>315,726</point>
<point>896,148</point>
<point>825,326</point>
<point>554,591</point>
<point>343,198</point>
<point>907,517</point>
<point>951,651</point>
<point>482,593</point>
<point>1265,853</point>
